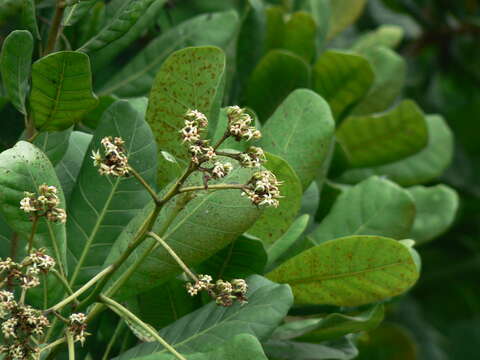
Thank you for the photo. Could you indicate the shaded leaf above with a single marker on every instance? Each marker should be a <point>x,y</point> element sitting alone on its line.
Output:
<point>53,144</point>
<point>436,209</point>
<point>101,206</point>
<point>300,31</point>
<point>274,222</point>
<point>6,234</point>
<point>320,10</point>
<point>276,75</point>
<point>15,62</point>
<point>61,90</point>
<point>73,13</point>
<point>188,79</point>
<point>386,35</point>
<point>421,167</point>
<point>349,271</point>
<point>300,131</point>
<point>373,207</point>
<point>343,79</point>
<point>343,14</point>
<point>212,325</point>
<point>137,76</point>
<point>380,139</point>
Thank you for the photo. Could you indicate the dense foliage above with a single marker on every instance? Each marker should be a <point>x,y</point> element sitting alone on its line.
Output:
<point>240,179</point>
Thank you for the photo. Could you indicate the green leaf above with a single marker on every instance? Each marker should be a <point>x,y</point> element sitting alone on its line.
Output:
<point>373,207</point>
<point>28,17</point>
<point>93,117</point>
<point>276,75</point>
<point>320,10</point>
<point>425,166</point>
<point>274,222</point>
<point>343,79</point>
<point>171,298</point>
<point>343,14</point>
<point>341,349</point>
<point>69,167</point>
<point>389,36</point>
<point>6,234</point>
<point>242,346</point>
<point>349,271</point>
<point>61,90</point>
<point>300,131</point>
<point>24,168</point>
<point>299,38</point>
<point>91,25</point>
<point>53,144</point>
<point>123,20</point>
<point>380,139</point>
<point>73,13</point>
<point>241,258</point>
<point>436,209</point>
<point>229,216</point>
<point>389,69</point>
<point>101,206</point>
<point>275,30</point>
<point>137,76</point>
<point>188,79</point>
<point>15,62</point>
<point>268,304</point>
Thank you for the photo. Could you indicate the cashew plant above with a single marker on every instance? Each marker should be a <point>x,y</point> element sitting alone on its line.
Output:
<point>200,180</point>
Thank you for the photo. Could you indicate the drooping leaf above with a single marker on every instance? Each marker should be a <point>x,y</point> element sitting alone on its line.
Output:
<point>73,13</point>
<point>276,75</point>
<point>436,209</point>
<point>192,235</point>
<point>300,35</point>
<point>61,90</point>
<point>343,79</point>
<point>101,206</point>
<point>343,14</point>
<point>243,346</point>
<point>389,69</point>
<point>15,62</point>
<point>124,19</point>
<point>379,139</point>
<point>274,222</point>
<point>188,79</point>
<point>386,35</point>
<point>68,168</point>
<point>241,258</point>
<point>281,245</point>
<point>137,76</point>
<point>341,349</point>
<point>53,144</point>
<point>268,304</point>
<point>419,168</point>
<point>300,131</point>
<point>349,271</point>
<point>24,168</point>
<point>373,207</point>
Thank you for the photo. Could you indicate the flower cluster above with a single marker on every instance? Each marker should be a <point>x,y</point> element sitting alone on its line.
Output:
<point>253,157</point>
<point>40,261</point>
<point>45,203</point>
<point>225,293</point>
<point>19,323</point>
<point>114,160</point>
<point>195,122</point>
<point>201,152</point>
<point>77,326</point>
<point>220,170</point>
<point>263,189</point>
<point>240,124</point>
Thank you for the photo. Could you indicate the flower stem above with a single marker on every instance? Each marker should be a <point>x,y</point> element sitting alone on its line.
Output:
<point>142,181</point>
<point>63,281</point>
<point>125,313</point>
<point>174,256</point>
<point>32,233</point>
<point>213,187</point>
<point>55,28</point>
<point>116,334</point>
<point>53,344</point>
<point>71,346</point>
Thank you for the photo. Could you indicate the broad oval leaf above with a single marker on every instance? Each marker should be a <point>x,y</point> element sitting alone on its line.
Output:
<point>349,271</point>
<point>386,35</point>
<point>188,79</point>
<point>268,303</point>
<point>61,90</point>
<point>15,62</point>
<point>136,77</point>
<point>276,75</point>
<point>101,206</point>
<point>300,33</point>
<point>24,168</point>
<point>436,209</point>
<point>343,14</point>
<point>300,131</point>
<point>274,222</point>
<point>320,10</point>
<point>373,207</point>
<point>419,168</point>
<point>54,144</point>
<point>206,225</point>
<point>380,139</point>
<point>343,79</point>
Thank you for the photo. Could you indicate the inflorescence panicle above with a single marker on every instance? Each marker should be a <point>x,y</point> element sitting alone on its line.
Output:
<point>113,160</point>
<point>225,293</point>
<point>45,203</point>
